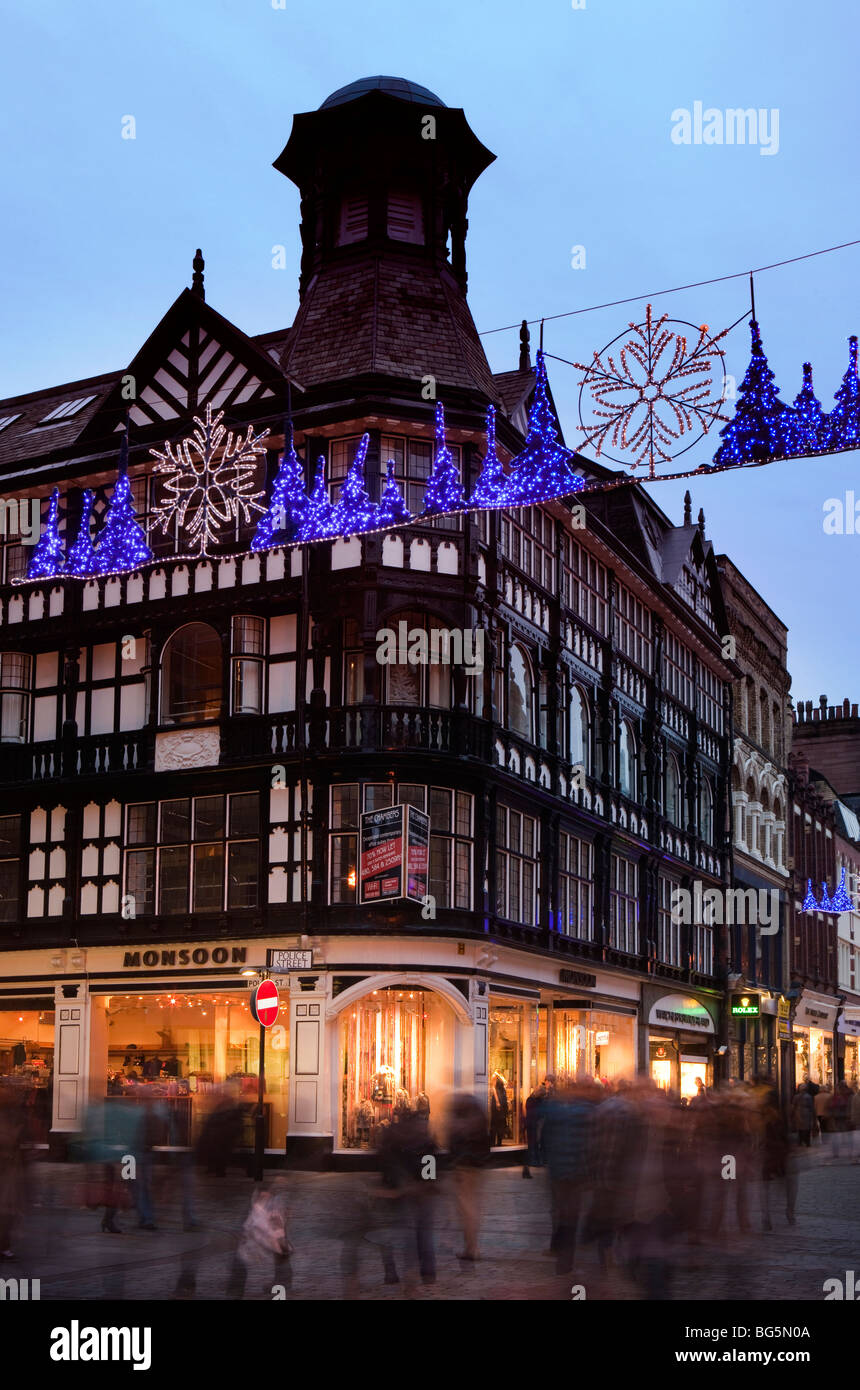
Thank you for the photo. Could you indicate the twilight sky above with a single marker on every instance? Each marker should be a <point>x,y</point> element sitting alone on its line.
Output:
<point>577,104</point>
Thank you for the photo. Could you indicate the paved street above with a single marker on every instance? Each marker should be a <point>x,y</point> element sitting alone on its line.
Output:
<point>60,1243</point>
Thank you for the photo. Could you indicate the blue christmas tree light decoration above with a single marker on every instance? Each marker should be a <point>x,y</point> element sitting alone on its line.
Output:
<point>121,544</point>
<point>810,903</point>
<point>541,470</point>
<point>81,560</point>
<point>809,417</point>
<point>841,901</point>
<point>318,524</point>
<point>47,558</point>
<point>392,510</point>
<point>842,425</point>
<point>444,490</point>
<point>825,905</point>
<point>763,427</point>
<point>354,512</point>
<point>492,482</point>
<point>286,514</point>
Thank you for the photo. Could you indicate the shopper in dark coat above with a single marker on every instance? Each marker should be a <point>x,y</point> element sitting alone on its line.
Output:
<point>469,1148</point>
<point>567,1134</point>
<point>777,1160</point>
<point>534,1108</point>
<point>803,1113</point>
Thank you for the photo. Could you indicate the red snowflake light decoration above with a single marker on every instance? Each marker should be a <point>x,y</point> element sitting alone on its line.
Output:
<point>658,391</point>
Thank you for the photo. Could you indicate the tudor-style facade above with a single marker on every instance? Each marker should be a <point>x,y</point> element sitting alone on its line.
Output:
<point>187,748</point>
<point>757,959</point>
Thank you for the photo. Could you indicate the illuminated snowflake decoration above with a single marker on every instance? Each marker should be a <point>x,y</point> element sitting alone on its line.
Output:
<point>208,481</point>
<point>654,391</point>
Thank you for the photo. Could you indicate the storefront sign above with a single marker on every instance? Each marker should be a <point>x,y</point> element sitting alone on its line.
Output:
<point>680,1011</point>
<point>815,1013</point>
<point>601,1039</point>
<point>849,1024</point>
<point>783,1022</point>
<point>577,977</point>
<point>284,961</point>
<point>395,854</point>
<point>745,1006</point>
<point>184,955</point>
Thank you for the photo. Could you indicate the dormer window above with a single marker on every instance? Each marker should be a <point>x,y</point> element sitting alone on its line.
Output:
<point>405,218</point>
<point>353,219</point>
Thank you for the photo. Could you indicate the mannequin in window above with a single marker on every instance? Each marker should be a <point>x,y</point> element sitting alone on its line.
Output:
<point>498,1108</point>
<point>382,1086</point>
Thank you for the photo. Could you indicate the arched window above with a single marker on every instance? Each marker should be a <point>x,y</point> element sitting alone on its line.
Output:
<point>673,790</point>
<point>418,655</point>
<point>706,811</point>
<point>191,675</point>
<point>520,693</point>
<point>628,765</point>
<point>579,732</point>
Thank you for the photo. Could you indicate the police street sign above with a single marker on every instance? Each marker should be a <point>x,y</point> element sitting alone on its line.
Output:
<point>283,961</point>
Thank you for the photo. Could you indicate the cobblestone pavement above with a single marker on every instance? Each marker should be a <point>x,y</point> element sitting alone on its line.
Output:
<point>60,1242</point>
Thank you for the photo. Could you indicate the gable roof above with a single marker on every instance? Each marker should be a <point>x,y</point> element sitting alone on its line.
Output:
<point>192,355</point>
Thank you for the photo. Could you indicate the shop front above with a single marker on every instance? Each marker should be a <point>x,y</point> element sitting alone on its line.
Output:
<point>398,1052</point>
<point>812,1029</point>
<point>27,1059</point>
<point>681,1036</point>
<point>187,1051</point>
<point>594,1040</point>
<point>753,1035</point>
<point>848,1036</point>
<point>167,1027</point>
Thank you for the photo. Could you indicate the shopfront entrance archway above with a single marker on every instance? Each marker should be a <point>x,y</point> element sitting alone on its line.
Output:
<point>396,1052</point>
<point>412,980</point>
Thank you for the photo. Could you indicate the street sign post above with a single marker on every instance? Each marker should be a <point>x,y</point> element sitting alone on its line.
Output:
<point>265,1002</point>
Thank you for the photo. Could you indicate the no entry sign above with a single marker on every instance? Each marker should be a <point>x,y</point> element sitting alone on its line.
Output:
<point>264,1003</point>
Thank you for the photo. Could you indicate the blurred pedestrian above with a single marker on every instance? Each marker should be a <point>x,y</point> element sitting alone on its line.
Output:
<point>822,1103</point>
<point>533,1121</point>
<point>12,1130</point>
<point>839,1117</point>
<point>407,1159</point>
<point>567,1134</point>
<point>264,1243</point>
<point>803,1114</point>
<point>617,1138</point>
<point>469,1148</point>
<point>777,1159</point>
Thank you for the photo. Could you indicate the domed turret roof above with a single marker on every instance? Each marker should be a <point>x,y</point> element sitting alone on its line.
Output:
<point>394,86</point>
